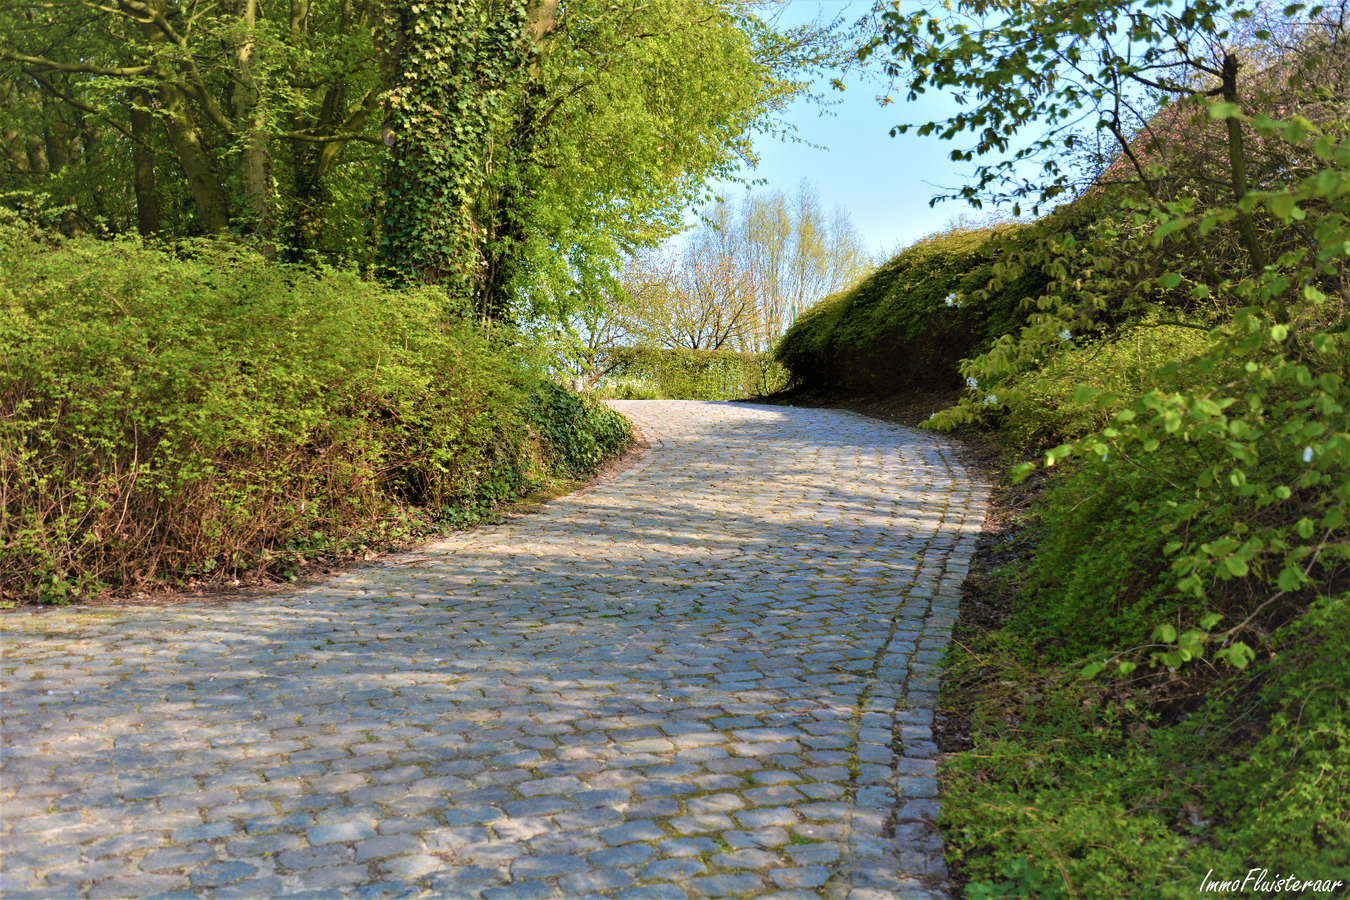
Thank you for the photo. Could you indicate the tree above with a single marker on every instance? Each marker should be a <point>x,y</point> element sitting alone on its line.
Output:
<point>500,148</point>
<point>699,300</point>
<point>796,255</point>
<point>204,109</point>
<point>743,275</point>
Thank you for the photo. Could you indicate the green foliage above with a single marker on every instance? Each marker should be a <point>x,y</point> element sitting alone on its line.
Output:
<point>512,151</point>
<point>913,320</point>
<point>1287,800</point>
<point>620,387</point>
<point>1078,789</point>
<point>458,63</point>
<point>580,432</point>
<point>1039,407</point>
<point>195,414</point>
<point>696,374</point>
<point>1195,554</point>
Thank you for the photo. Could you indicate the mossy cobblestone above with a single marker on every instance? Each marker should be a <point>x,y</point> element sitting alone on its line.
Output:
<point>712,675</point>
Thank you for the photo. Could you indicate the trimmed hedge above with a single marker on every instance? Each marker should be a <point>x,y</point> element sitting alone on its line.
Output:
<point>699,374</point>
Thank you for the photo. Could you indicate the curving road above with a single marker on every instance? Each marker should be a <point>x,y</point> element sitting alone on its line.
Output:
<point>710,676</point>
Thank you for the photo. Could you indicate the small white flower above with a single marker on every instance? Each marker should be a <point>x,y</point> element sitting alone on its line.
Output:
<point>1065,335</point>
<point>991,400</point>
<point>1307,454</point>
<point>950,300</point>
<point>972,383</point>
<point>1105,455</point>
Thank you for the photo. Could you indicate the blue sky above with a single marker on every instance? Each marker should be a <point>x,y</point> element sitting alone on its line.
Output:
<point>884,182</point>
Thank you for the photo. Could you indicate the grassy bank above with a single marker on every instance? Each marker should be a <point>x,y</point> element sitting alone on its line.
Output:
<point>181,417</point>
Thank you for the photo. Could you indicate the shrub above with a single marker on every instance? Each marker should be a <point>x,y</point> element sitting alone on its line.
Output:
<point>1040,405</point>
<point>1081,789</point>
<point>174,415</point>
<point>913,320</point>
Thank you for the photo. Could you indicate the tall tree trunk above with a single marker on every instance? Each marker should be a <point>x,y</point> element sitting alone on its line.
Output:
<point>1237,166</point>
<point>249,121</point>
<point>213,212</point>
<point>505,207</point>
<point>143,162</point>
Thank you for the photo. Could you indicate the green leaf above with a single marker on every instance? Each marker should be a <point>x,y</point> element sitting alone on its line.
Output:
<point>1222,110</point>
<point>1170,280</point>
<point>1281,206</point>
<point>1238,655</point>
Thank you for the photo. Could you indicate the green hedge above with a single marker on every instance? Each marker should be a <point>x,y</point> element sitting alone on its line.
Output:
<point>168,416</point>
<point>912,321</point>
<point>697,374</point>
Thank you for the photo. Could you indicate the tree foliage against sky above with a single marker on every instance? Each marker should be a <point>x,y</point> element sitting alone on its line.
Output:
<point>744,273</point>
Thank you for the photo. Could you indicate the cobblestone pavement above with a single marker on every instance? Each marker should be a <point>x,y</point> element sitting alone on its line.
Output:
<point>711,676</point>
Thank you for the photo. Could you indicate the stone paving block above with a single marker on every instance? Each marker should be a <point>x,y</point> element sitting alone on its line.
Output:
<point>676,868</point>
<point>631,832</point>
<point>221,874</point>
<point>520,890</point>
<point>250,889</point>
<point>746,859</point>
<point>653,892</point>
<point>549,866</point>
<point>595,882</point>
<point>334,876</point>
<point>386,845</point>
<point>804,877</point>
<point>339,832</point>
<point>763,837</point>
<point>177,857</point>
<point>412,867</point>
<point>722,641</point>
<point>722,885</point>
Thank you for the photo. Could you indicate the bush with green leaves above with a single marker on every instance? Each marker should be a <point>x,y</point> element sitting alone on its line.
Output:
<point>913,320</point>
<point>1086,789</point>
<point>169,415</point>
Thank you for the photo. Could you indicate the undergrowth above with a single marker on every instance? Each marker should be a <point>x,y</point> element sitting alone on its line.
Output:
<point>187,416</point>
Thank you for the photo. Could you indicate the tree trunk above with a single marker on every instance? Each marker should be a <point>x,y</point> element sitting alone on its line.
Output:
<point>213,212</point>
<point>143,162</point>
<point>1237,165</point>
<point>503,218</point>
<point>249,121</point>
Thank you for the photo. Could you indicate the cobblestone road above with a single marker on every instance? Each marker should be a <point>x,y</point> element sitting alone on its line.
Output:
<point>711,676</point>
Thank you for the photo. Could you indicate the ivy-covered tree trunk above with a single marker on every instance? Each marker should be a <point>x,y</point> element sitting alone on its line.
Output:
<point>452,67</point>
<point>503,212</point>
